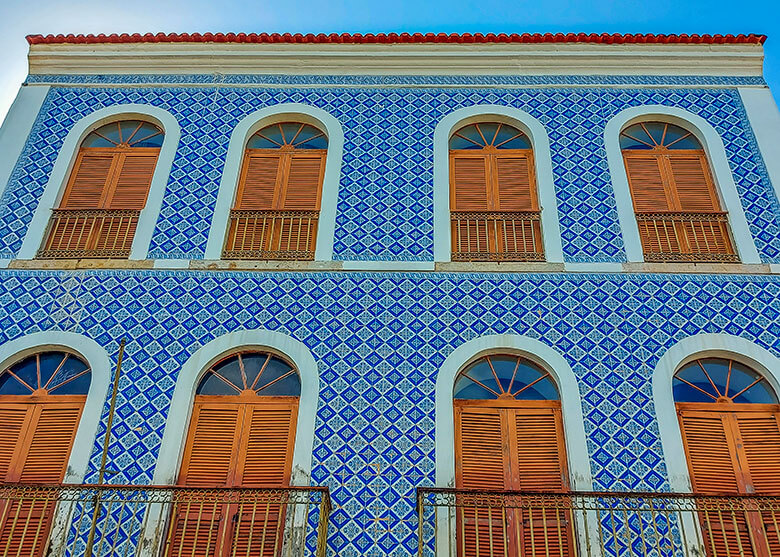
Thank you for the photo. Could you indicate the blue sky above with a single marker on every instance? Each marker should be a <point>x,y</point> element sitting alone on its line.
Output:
<point>21,17</point>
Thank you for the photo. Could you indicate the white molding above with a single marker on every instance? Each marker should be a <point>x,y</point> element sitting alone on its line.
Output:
<point>180,411</point>
<point>100,365</point>
<point>719,165</point>
<point>536,351</point>
<point>17,127</point>
<point>706,345</point>
<point>764,118</point>
<point>235,156</point>
<point>398,59</point>
<point>58,179</point>
<point>551,233</point>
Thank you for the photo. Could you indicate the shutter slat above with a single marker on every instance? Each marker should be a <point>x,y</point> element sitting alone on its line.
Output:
<point>257,189</point>
<point>88,181</point>
<point>515,183</point>
<point>134,177</point>
<point>304,180</point>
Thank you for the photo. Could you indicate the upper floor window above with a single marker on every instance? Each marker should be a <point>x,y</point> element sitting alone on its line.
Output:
<point>494,204</point>
<point>277,205</point>
<point>676,205</point>
<point>106,192</point>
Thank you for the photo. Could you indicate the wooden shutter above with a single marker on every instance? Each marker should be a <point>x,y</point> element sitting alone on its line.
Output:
<point>267,446</point>
<point>52,431</point>
<point>760,440</point>
<point>692,184</point>
<point>647,182</point>
<point>212,444</point>
<point>469,182</point>
<point>258,187</point>
<point>89,180</point>
<point>515,186</point>
<point>133,177</point>
<point>540,451</point>
<point>710,452</point>
<point>303,184</point>
<point>14,421</point>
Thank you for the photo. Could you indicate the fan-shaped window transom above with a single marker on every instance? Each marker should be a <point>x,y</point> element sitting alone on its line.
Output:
<point>721,380</point>
<point>46,373</point>
<point>251,373</point>
<point>505,377</point>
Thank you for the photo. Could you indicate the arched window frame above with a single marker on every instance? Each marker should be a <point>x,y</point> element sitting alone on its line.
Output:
<point>246,128</point>
<point>100,365</point>
<point>707,345</point>
<point>540,143</point>
<point>718,163</point>
<point>60,174</point>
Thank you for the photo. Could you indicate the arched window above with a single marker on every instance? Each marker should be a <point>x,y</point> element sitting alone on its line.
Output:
<point>41,400</point>
<point>677,208</point>
<point>730,421</point>
<point>493,201</point>
<point>509,437</point>
<point>107,190</point>
<point>241,434</point>
<point>277,203</point>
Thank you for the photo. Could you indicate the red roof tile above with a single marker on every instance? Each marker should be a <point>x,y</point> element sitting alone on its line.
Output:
<point>397,38</point>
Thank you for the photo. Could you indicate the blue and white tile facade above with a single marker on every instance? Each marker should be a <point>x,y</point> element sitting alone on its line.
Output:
<point>379,339</point>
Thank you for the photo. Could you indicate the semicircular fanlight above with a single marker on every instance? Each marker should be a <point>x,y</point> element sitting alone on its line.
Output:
<point>127,133</point>
<point>493,135</point>
<point>657,135</point>
<point>721,380</point>
<point>288,135</point>
<point>258,373</point>
<point>46,373</point>
<point>505,377</point>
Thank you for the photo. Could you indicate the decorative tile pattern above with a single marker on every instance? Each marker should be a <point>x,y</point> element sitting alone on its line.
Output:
<point>385,199</point>
<point>379,340</point>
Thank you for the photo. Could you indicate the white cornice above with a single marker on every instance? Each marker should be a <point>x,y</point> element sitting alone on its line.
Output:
<point>450,59</point>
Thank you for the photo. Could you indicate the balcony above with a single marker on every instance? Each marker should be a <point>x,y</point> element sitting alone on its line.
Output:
<point>89,233</point>
<point>497,236</point>
<point>271,235</point>
<point>125,521</point>
<point>686,237</point>
<point>503,524</point>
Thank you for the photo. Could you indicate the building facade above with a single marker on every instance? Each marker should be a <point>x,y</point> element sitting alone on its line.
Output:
<point>347,269</point>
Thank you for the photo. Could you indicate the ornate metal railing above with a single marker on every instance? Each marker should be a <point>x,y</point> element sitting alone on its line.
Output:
<point>162,521</point>
<point>285,235</point>
<point>502,524</point>
<point>684,236</point>
<point>497,236</point>
<point>89,233</point>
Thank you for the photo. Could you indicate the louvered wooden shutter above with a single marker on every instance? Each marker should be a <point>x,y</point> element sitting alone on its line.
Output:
<point>89,180</point>
<point>515,183</point>
<point>133,178</point>
<point>212,445</point>
<point>14,421</point>
<point>692,183</point>
<point>302,188</point>
<point>52,432</point>
<point>259,182</point>
<point>469,182</point>
<point>646,178</point>
<point>269,437</point>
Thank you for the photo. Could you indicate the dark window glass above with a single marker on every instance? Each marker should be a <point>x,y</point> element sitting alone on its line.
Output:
<point>655,135</point>
<point>506,377</point>
<point>479,136</point>
<point>288,135</point>
<point>54,373</point>
<point>259,372</point>
<point>721,380</point>
<point>127,133</point>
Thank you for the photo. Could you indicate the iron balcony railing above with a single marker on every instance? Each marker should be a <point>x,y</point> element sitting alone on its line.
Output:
<point>497,236</point>
<point>58,521</point>
<point>467,523</point>
<point>89,233</point>
<point>274,235</point>
<point>686,236</point>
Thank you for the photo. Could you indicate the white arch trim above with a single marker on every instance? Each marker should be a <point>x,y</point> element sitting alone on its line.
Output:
<point>704,345</point>
<point>716,154</point>
<point>551,232</point>
<point>55,188</point>
<point>330,184</point>
<point>177,424</point>
<point>541,354</point>
<point>100,365</point>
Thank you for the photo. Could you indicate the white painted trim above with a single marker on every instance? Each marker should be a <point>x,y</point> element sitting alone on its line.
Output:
<point>551,232</point>
<point>235,157</point>
<point>180,411</point>
<point>716,154</point>
<point>704,345</point>
<point>536,351</point>
<point>58,179</point>
<point>764,118</point>
<point>17,126</point>
<point>398,59</point>
<point>100,364</point>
